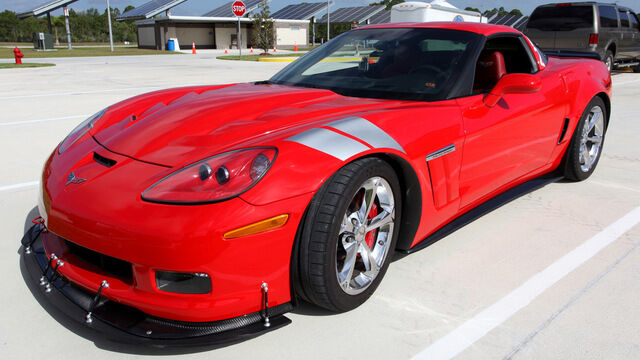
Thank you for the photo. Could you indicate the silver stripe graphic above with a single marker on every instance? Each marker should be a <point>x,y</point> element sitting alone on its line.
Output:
<point>329,142</point>
<point>366,131</point>
<point>442,152</point>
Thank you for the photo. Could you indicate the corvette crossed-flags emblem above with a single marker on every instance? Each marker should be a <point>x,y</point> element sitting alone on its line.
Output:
<point>72,179</point>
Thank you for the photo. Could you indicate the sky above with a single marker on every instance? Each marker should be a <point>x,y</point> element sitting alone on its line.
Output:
<point>199,7</point>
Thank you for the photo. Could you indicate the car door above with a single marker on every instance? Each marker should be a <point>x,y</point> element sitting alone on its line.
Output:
<point>625,50</point>
<point>635,33</point>
<point>515,137</point>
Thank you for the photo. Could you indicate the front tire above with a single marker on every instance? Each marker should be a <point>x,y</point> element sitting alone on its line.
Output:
<point>349,235</point>
<point>585,147</point>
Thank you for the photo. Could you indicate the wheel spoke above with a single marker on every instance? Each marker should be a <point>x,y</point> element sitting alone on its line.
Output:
<point>370,188</point>
<point>592,122</point>
<point>597,139</point>
<point>344,276</point>
<point>381,220</point>
<point>370,263</point>
<point>586,157</point>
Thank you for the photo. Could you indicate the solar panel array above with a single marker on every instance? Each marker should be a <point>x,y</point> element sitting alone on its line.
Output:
<point>44,8</point>
<point>225,10</point>
<point>300,11</point>
<point>515,21</point>
<point>383,17</point>
<point>350,14</point>
<point>149,9</point>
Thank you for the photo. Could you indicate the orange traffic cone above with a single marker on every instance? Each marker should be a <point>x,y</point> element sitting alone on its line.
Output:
<point>225,51</point>
<point>252,49</point>
<point>274,48</point>
<point>295,47</point>
<point>193,48</point>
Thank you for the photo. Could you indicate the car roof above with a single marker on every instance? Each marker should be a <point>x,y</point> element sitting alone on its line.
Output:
<point>482,29</point>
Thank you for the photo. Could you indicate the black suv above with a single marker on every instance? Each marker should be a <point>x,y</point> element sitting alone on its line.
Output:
<point>609,30</point>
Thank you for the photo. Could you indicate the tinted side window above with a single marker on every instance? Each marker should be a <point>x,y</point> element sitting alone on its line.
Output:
<point>624,19</point>
<point>608,16</point>
<point>561,18</point>
<point>634,21</point>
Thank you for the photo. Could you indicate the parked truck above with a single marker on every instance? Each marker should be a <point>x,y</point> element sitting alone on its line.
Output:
<point>609,30</point>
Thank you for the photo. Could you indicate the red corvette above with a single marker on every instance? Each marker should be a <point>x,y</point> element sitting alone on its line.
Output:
<point>204,213</point>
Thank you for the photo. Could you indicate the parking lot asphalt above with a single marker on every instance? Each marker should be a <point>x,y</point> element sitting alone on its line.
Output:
<point>554,274</point>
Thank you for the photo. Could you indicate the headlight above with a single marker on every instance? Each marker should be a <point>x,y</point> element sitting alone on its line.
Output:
<point>214,179</point>
<point>79,131</point>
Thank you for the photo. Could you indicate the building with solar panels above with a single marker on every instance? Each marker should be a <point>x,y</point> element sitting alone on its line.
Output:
<point>217,29</point>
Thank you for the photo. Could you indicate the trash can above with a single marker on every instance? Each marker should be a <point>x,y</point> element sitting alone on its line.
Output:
<point>171,45</point>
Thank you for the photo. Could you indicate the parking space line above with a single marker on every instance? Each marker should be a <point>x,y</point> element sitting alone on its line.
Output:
<point>42,120</point>
<point>19,186</point>
<point>79,92</point>
<point>477,327</point>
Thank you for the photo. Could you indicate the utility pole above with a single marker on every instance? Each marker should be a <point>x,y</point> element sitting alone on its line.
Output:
<point>109,20</point>
<point>66,25</point>
<point>328,22</point>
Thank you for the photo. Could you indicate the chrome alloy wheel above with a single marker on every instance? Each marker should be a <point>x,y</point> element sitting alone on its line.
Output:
<point>365,234</point>
<point>591,140</point>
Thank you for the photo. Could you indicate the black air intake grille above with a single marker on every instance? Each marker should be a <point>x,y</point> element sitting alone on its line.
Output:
<point>115,267</point>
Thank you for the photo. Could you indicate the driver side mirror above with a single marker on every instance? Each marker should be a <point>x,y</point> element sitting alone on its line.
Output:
<point>512,84</point>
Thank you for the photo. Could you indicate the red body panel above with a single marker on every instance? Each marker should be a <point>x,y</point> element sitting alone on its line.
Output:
<point>153,135</point>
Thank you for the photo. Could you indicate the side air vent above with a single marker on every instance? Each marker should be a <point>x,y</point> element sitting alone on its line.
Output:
<point>103,160</point>
<point>565,126</point>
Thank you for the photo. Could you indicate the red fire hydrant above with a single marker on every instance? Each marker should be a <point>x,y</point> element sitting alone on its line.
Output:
<point>18,55</point>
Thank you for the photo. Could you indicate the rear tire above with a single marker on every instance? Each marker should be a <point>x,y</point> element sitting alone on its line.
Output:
<point>608,60</point>
<point>346,246</point>
<point>585,148</point>
<point>636,69</point>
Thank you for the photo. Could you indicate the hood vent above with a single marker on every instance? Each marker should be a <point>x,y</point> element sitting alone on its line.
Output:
<point>103,160</point>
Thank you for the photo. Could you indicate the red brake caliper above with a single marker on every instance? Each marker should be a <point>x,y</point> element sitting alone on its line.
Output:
<point>370,237</point>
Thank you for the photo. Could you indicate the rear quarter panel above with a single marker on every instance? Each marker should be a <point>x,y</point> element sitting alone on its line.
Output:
<point>584,79</point>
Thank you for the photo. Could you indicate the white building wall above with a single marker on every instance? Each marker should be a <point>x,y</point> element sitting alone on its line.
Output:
<point>202,36</point>
<point>224,32</point>
<point>290,34</point>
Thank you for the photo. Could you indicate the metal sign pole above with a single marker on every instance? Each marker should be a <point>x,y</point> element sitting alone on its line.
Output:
<point>239,38</point>
<point>109,20</point>
<point>66,24</point>
<point>328,21</point>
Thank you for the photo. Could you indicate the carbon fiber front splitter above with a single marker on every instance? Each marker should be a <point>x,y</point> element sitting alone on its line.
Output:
<point>126,324</point>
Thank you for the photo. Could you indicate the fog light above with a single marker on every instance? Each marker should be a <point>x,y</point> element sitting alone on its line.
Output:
<point>183,283</point>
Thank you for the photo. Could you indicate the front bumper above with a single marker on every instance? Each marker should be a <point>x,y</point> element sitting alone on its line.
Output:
<point>127,324</point>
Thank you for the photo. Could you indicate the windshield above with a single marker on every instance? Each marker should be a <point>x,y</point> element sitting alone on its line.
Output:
<point>398,63</point>
<point>561,18</point>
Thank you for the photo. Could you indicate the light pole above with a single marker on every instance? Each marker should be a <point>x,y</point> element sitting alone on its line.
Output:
<point>66,25</point>
<point>328,22</point>
<point>109,20</point>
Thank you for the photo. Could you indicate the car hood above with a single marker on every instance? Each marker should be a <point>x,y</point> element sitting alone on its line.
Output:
<point>176,126</point>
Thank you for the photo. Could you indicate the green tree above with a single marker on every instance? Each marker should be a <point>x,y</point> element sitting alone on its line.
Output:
<point>469,8</point>
<point>57,22</point>
<point>263,34</point>
<point>502,12</point>
<point>387,3</point>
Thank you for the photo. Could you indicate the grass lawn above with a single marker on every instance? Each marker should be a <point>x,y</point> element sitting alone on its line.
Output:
<point>256,57</point>
<point>6,53</point>
<point>23,65</point>
<point>63,44</point>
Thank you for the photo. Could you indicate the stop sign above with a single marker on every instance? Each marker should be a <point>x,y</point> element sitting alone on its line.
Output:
<point>238,8</point>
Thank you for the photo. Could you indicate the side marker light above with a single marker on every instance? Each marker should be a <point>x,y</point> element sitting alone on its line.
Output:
<point>255,228</point>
